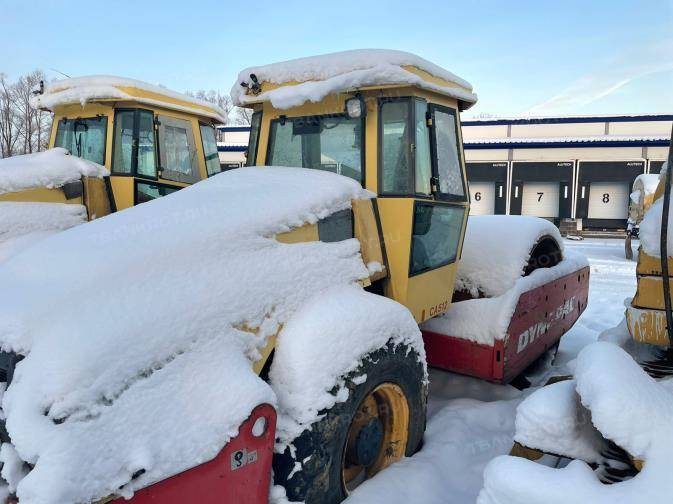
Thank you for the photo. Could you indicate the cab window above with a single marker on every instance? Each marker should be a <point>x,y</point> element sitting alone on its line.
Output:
<point>177,150</point>
<point>255,126</point>
<point>84,138</point>
<point>134,151</point>
<point>147,191</point>
<point>448,169</point>
<point>210,149</point>
<point>406,164</point>
<point>330,143</point>
<point>436,235</point>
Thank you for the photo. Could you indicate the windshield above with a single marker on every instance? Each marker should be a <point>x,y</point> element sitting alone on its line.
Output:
<point>84,138</point>
<point>324,143</point>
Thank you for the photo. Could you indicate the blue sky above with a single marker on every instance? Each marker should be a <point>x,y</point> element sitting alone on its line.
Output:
<point>522,57</point>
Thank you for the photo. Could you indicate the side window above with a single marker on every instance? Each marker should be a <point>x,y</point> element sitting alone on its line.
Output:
<point>447,158</point>
<point>147,192</point>
<point>177,150</point>
<point>134,144</point>
<point>210,149</point>
<point>147,164</point>
<point>396,169</point>
<point>422,160</point>
<point>436,236</point>
<point>122,161</point>
<point>255,125</point>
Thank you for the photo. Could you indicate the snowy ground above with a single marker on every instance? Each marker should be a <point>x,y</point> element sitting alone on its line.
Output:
<point>470,421</point>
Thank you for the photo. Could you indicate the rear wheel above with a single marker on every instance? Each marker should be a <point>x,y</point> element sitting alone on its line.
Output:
<point>382,420</point>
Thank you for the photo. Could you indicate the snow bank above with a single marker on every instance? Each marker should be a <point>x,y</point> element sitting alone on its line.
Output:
<point>106,87</point>
<point>648,181</point>
<point>552,420</point>
<point>627,407</point>
<point>496,251</point>
<point>650,227</point>
<point>306,369</point>
<point>22,224</point>
<point>319,76</point>
<point>139,344</point>
<point>485,320</point>
<point>50,168</point>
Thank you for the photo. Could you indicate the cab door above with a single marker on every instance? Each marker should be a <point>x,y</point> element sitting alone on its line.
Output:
<point>422,201</point>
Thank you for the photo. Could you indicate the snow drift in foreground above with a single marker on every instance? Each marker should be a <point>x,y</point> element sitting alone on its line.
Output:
<point>319,76</point>
<point>139,328</point>
<point>23,224</point>
<point>51,168</point>
<point>626,406</point>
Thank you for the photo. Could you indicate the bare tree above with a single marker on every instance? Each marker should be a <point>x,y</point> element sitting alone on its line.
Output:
<point>220,99</point>
<point>23,129</point>
<point>243,116</point>
<point>10,124</point>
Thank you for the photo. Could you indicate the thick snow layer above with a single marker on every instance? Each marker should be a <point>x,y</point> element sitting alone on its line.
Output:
<point>104,87</point>
<point>650,228</point>
<point>485,320</point>
<point>139,344</point>
<point>627,407</point>
<point>552,420</point>
<point>319,76</point>
<point>22,224</point>
<point>496,251</point>
<point>306,369</point>
<point>50,168</point>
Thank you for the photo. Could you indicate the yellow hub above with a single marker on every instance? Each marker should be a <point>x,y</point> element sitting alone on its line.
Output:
<point>377,436</point>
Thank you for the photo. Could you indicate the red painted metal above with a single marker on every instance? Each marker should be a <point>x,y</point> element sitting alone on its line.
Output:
<point>216,482</point>
<point>541,317</point>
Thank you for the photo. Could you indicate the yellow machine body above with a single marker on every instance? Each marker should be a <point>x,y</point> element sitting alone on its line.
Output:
<point>385,225</point>
<point>162,128</point>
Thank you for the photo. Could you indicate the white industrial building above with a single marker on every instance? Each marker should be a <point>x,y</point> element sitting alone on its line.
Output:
<point>574,169</point>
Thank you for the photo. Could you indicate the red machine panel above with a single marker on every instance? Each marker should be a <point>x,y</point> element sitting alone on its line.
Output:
<point>240,474</point>
<point>541,317</point>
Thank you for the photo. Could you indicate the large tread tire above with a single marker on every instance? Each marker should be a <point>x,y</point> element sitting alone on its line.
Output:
<point>319,450</point>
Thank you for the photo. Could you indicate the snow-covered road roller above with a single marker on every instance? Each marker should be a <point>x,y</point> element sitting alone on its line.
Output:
<point>314,267</point>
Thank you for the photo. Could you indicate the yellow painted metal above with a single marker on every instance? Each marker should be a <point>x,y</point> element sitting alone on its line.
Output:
<point>649,265</point>
<point>306,233</point>
<point>96,197</point>
<point>366,230</point>
<point>123,191</point>
<point>650,293</point>
<point>647,325</point>
<point>40,195</point>
<point>390,406</point>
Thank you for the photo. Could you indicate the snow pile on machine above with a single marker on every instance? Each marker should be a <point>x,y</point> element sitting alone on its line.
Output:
<point>623,404</point>
<point>24,223</point>
<point>139,330</point>
<point>314,78</point>
<point>107,87</point>
<point>498,264</point>
<point>51,168</point>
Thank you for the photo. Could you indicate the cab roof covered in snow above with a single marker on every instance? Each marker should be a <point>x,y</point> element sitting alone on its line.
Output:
<point>105,88</point>
<point>295,82</point>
